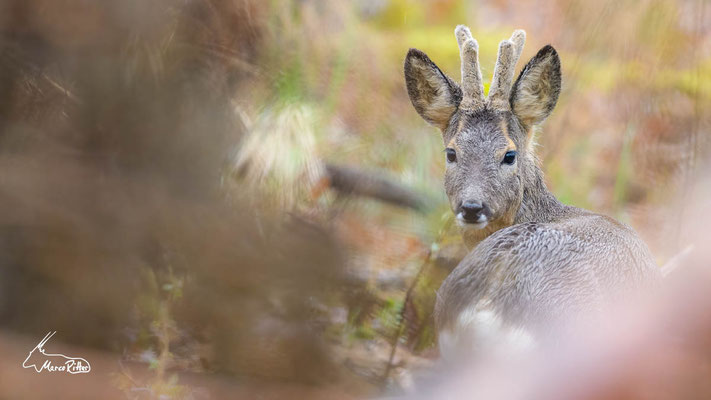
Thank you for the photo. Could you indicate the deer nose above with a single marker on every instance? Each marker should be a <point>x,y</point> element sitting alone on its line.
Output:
<point>472,211</point>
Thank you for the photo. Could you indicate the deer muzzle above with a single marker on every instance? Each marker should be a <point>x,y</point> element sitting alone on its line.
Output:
<point>473,214</point>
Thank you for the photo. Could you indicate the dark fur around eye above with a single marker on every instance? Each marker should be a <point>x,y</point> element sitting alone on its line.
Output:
<point>509,158</point>
<point>451,155</point>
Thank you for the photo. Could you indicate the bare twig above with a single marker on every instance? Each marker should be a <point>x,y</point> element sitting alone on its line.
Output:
<point>401,318</point>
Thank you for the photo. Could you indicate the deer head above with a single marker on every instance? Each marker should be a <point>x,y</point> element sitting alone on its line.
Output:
<point>489,144</point>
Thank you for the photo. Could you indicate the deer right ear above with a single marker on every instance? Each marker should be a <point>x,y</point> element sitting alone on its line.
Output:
<point>434,95</point>
<point>536,90</point>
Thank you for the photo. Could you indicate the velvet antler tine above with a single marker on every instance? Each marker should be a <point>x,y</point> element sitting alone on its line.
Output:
<point>472,83</point>
<point>509,53</point>
<point>463,34</point>
<point>519,39</point>
<point>503,75</point>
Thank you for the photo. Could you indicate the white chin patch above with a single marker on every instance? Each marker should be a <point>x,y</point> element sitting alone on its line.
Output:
<point>481,223</point>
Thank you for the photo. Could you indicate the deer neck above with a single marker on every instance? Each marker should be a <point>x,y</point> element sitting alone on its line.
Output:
<point>538,204</point>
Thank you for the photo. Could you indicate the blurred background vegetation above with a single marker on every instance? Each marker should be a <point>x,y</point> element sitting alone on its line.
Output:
<point>251,181</point>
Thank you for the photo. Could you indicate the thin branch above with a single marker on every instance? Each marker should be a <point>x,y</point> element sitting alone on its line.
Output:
<point>401,319</point>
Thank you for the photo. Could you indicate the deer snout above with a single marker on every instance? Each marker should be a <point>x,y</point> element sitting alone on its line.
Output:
<point>473,212</point>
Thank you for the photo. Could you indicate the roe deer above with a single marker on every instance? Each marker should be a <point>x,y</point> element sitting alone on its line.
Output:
<point>535,262</point>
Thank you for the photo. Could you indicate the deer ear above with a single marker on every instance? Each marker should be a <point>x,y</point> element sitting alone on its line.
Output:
<point>434,95</point>
<point>536,90</point>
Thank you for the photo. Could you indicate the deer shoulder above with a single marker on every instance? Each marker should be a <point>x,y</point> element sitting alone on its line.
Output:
<point>529,281</point>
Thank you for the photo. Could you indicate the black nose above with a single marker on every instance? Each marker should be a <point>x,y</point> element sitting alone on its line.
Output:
<point>471,211</point>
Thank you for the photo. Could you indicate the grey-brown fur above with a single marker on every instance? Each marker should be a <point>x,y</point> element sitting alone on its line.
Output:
<point>535,261</point>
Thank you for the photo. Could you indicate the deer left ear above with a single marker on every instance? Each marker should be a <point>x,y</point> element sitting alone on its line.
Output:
<point>434,95</point>
<point>536,90</point>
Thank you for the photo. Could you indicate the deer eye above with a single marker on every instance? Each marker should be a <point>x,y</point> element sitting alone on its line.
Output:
<point>509,158</point>
<point>451,155</point>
